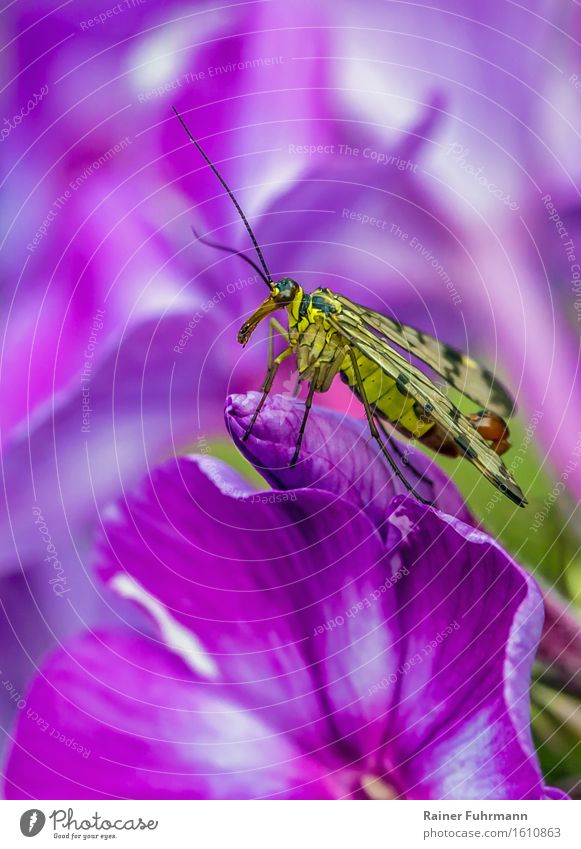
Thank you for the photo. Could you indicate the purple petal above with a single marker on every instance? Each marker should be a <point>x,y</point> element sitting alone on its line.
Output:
<point>337,455</point>
<point>261,579</point>
<point>109,244</point>
<point>40,608</point>
<point>412,666</point>
<point>119,717</point>
<point>290,626</point>
<point>560,646</point>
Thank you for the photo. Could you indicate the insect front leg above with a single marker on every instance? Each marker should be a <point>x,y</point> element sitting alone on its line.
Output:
<point>267,386</point>
<point>375,432</point>
<point>273,324</point>
<point>402,454</point>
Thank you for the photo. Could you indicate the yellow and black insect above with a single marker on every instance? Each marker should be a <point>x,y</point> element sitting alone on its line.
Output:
<point>331,335</point>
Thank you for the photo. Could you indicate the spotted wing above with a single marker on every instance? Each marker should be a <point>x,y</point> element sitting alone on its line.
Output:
<point>459,370</point>
<point>434,403</point>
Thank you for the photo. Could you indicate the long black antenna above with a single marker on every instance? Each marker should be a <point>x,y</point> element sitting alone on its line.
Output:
<point>232,197</point>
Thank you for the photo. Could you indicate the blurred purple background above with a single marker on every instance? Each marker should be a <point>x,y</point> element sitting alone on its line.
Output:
<point>422,158</point>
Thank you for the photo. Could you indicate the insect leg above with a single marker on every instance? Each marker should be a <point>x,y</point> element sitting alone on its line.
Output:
<point>273,325</point>
<point>267,386</point>
<point>401,454</point>
<point>375,432</point>
<point>308,404</point>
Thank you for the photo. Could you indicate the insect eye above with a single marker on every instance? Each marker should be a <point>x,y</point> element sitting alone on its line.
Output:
<point>285,290</point>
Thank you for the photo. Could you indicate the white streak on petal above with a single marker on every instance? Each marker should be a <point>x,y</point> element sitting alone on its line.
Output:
<point>177,638</point>
<point>402,522</point>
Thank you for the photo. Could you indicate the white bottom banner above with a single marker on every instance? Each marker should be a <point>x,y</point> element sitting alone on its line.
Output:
<point>292,825</point>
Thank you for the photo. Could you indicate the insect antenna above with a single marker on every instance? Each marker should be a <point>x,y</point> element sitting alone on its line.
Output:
<point>227,249</point>
<point>231,195</point>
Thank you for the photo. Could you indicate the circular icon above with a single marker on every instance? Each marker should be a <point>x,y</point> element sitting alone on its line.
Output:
<point>32,822</point>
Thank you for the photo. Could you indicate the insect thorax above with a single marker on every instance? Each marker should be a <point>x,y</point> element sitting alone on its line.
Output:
<point>312,308</point>
<point>320,348</point>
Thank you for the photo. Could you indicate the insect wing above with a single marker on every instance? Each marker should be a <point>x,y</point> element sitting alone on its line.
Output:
<point>433,401</point>
<point>458,369</point>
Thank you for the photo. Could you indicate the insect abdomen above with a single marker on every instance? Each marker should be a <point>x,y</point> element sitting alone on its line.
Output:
<point>386,395</point>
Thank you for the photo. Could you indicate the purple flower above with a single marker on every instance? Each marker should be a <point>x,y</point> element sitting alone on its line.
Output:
<point>337,455</point>
<point>113,246</point>
<point>121,242</point>
<point>306,644</point>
